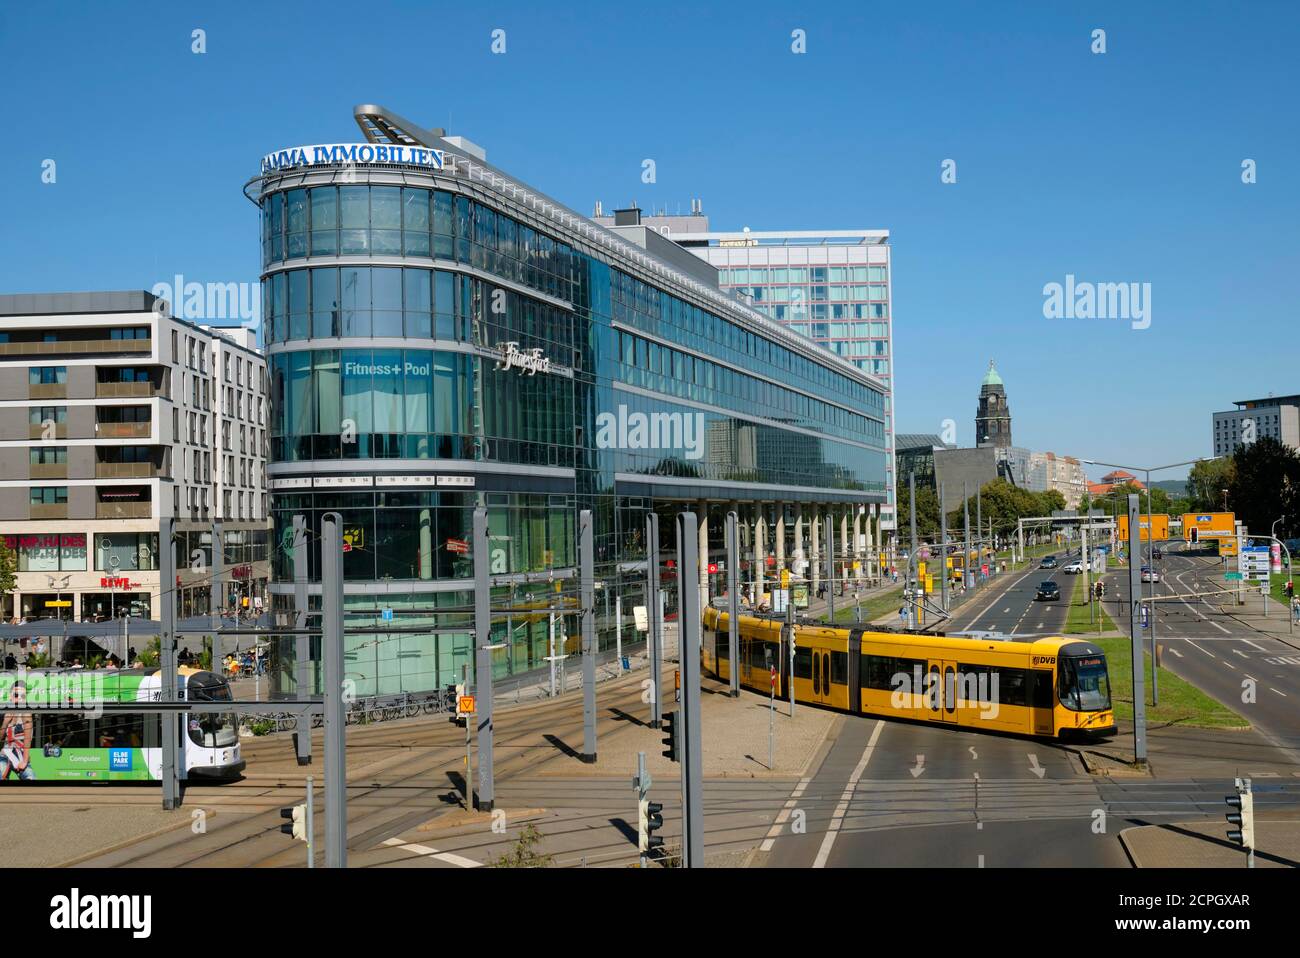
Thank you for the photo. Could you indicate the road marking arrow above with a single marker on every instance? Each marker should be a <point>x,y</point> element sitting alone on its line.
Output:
<point>1035,767</point>
<point>920,766</point>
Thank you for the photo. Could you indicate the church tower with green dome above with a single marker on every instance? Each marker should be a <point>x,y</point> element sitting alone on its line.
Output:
<point>993,420</point>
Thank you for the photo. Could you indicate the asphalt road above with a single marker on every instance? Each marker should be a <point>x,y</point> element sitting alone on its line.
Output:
<point>1207,642</point>
<point>1010,605</point>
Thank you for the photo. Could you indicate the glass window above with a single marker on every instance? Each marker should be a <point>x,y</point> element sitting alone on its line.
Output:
<point>296,221</point>
<point>357,405</point>
<point>324,302</point>
<point>324,220</point>
<point>386,220</point>
<point>446,407</point>
<point>47,375</point>
<point>444,302</point>
<point>386,296</point>
<point>418,302</point>
<point>325,374</point>
<point>354,218</point>
<point>387,390</point>
<point>298,305</point>
<point>418,370</point>
<point>355,296</point>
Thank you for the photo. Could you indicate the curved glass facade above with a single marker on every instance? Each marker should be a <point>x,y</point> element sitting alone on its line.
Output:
<point>415,332</point>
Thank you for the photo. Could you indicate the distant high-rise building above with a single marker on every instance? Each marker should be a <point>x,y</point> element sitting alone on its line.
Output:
<point>1274,416</point>
<point>993,420</point>
<point>832,286</point>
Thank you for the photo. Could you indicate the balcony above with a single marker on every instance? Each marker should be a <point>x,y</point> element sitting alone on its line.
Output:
<point>49,470</point>
<point>120,510</point>
<point>74,347</point>
<point>125,470</point>
<point>123,430</point>
<point>52,511</point>
<point>38,432</point>
<point>47,390</point>
<point>126,390</point>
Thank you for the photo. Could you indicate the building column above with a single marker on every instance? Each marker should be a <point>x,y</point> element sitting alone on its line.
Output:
<point>760,549</point>
<point>798,564</point>
<point>780,537</point>
<point>703,511</point>
<point>846,548</point>
<point>815,559</point>
<point>858,552</point>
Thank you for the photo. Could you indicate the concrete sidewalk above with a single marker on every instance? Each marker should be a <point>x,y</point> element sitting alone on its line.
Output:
<point>1204,845</point>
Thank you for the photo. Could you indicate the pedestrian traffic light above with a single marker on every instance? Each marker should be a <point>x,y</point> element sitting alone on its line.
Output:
<point>1243,818</point>
<point>649,820</point>
<point>670,729</point>
<point>297,816</point>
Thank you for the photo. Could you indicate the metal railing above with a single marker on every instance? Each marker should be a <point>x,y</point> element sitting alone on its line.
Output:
<point>123,430</point>
<point>126,470</point>
<point>132,390</point>
<point>68,347</point>
<point>122,510</point>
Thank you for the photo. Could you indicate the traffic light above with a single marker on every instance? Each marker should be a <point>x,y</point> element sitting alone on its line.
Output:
<point>297,816</point>
<point>670,729</point>
<point>649,820</point>
<point>1243,818</point>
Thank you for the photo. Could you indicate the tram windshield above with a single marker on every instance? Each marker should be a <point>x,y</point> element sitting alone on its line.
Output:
<point>211,729</point>
<point>1084,683</point>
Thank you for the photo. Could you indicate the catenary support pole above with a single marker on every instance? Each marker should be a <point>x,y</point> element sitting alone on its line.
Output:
<point>654,618</point>
<point>167,660</point>
<point>302,643</point>
<point>967,580</point>
<point>483,658</point>
<point>587,586</point>
<point>1135,630</point>
<point>943,550</point>
<point>331,581</point>
<point>216,598</point>
<point>911,559</point>
<point>688,643</point>
<point>830,567</point>
<point>733,601</point>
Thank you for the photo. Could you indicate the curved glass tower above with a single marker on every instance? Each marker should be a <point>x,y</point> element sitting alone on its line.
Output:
<point>440,336</point>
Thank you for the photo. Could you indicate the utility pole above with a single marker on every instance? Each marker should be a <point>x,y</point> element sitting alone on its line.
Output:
<point>733,601</point>
<point>688,639</point>
<point>943,550</point>
<point>965,559</point>
<point>331,582</point>
<point>302,643</point>
<point>654,620</point>
<point>216,600</point>
<point>911,559</point>
<point>1135,632</point>
<point>167,659</point>
<point>587,586</point>
<point>480,549</point>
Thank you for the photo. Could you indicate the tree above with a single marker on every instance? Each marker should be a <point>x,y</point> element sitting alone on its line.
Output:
<point>1206,482</point>
<point>8,570</point>
<point>1265,487</point>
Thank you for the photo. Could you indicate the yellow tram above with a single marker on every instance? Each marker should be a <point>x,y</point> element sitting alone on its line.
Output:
<point>1049,687</point>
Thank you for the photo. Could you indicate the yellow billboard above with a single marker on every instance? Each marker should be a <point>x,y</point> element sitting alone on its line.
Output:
<point>1160,522</point>
<point>1209,525</point>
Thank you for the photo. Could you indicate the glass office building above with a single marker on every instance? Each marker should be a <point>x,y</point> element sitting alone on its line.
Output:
<point>441,336</point>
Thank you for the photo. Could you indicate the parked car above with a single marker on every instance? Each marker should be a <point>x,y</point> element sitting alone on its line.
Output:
<point>1074,568</point>
<point>1048,591</point>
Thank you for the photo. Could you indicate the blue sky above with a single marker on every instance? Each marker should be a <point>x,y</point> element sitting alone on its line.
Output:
<point>1115,167</point>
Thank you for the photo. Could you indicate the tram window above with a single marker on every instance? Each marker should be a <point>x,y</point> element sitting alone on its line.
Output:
<point>1042,688</point>
<point>840,668</point>
<point>1011,688</point>
<point>722,645</point>
<point>65,731</point>
<point>119,731</point>
<point>881,672</point>
<point>802,663</point>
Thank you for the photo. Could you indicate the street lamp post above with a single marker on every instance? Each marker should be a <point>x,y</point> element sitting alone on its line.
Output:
<point>1151,544</point>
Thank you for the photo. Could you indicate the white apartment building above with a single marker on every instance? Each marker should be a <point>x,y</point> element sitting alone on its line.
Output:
<point>114,415</point>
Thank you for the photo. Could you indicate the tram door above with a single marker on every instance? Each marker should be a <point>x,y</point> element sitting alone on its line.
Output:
<point>821,676</point>
<point>941,690</point>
